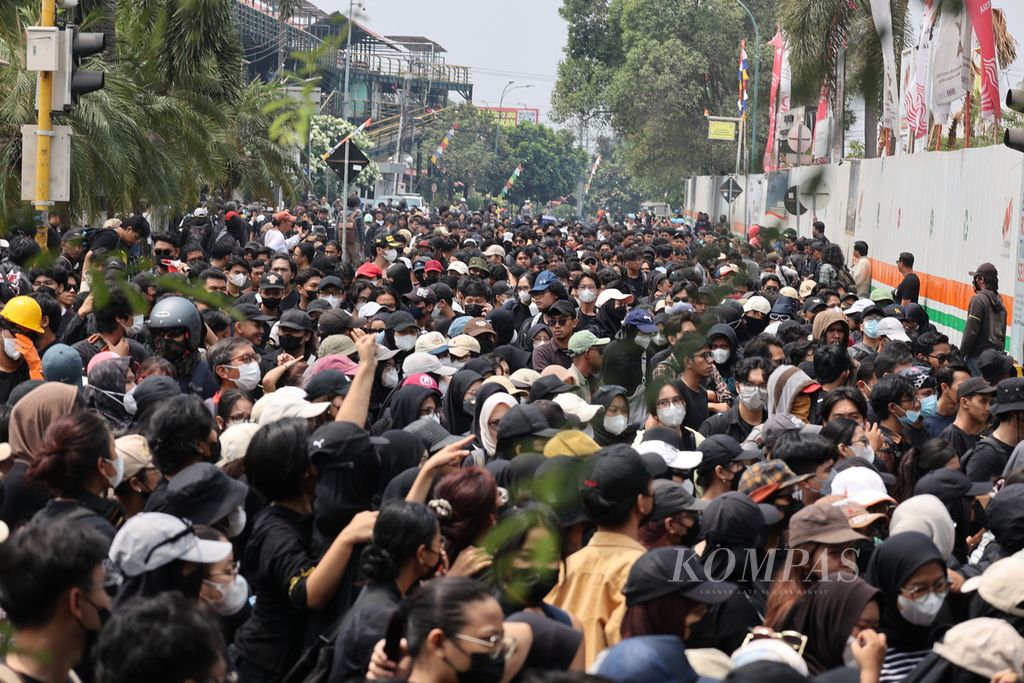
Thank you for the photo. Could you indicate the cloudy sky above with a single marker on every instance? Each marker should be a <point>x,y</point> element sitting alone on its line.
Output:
<point>503,42</point>
<point>523,41</point>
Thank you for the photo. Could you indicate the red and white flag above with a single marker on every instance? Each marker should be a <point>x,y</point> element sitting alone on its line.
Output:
<point>980,12</point>
<point>771,152</point>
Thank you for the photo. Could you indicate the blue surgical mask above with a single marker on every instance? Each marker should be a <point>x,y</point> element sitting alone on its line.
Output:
<point>930,406</point>
<point>871,328</point>
<point>910,417</point>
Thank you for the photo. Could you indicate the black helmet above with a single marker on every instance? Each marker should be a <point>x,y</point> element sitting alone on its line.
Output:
<point>178,312</point>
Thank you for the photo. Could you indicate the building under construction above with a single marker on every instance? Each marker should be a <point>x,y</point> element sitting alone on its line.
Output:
<point>400,81</point>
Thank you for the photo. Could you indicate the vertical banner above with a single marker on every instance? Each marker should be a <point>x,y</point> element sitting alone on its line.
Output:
<point>882,17</point>
<point>512,180</point>
<point>820,136</point>
<point>593,170</point>
<point>914,103</point>
<point>949,62</point>
<point>742,78</point>
<point>439,152</point>
<point>769,152</point>
<point>980,12</point>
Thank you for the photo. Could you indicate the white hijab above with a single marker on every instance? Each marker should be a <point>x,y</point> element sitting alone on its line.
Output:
<point>492,402</point>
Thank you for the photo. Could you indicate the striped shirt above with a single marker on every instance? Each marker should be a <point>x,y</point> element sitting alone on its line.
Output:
<point>898,665</point>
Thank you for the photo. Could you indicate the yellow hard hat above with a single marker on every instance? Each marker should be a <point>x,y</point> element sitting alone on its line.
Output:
<point>23,311</point>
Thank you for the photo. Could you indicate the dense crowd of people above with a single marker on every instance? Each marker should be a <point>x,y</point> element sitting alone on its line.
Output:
<point>334,443</point>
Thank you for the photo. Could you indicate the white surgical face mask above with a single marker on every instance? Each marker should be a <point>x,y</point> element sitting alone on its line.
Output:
<point>752,397</point>
<point>615,424</point>
<point>644,340</point>
<point>130,405</point>
<point>405,342</point>
<point>720,355</point>
<point>525,298</point>
<point>436,417</point>
<point>239,279</point>
<point>863,452</point>
<point>115,479</point>
<point>248,376</point>
<point>332,300</point>
<point>389,378</point>
<point>534,309</point>
<point>588,296</point>
<point>11,348</point>
<point>391,255</point>
<point>138,321</point>
<point>233,596</point>
<point>849,660</point>
<point>672,416</point>
<point>236,522</point>
<point>921,612</point>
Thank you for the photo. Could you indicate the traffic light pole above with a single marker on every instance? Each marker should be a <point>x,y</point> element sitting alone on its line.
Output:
<point>47,18</point>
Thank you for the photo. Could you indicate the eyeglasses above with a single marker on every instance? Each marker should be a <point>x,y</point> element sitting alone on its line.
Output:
<point>231,573</point>
<point>667,402</point>
<point>499,647</point>
<point>248,358</point>
<point>918,591</point>
<point>794,639</point>
<point>778,316</point>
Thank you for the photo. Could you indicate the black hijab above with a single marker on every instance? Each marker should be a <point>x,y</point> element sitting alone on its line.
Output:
<point>892,564</point>
<point>504,325</point>
<point>827,612</point>
<point>406,402</point>
<point>516,358</point>
<point>459,421</point>
<point>403,451</point>
<point>535,329</point>
<point>604,398</point>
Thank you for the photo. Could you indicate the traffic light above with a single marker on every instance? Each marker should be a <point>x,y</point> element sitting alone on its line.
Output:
<point>70,81</point>
<point>1014,137</point>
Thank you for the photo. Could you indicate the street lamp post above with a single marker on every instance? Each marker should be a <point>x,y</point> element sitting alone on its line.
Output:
<point>345,115</point>
<point>757,81</point>
<point>501,103</point>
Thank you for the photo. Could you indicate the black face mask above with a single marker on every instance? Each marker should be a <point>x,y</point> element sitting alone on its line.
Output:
<point>271,303</point>
<point>535,585</point>
<point>214,451</point>
<point>431,279</point>
<point>980,520</point>
<point>756,327</point>
<point>482,669</point>
<point>91,636</point>
<point>486,344</point>
<point>690,538</point>
<point>289,343</point>
<point>474,310</point>
<point>416,312</point>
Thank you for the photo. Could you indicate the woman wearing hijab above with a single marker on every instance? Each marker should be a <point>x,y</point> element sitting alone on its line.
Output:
<point>460,400</point>
<point>917,322</point>
<point>491,406</point>
<point>611,425</point>
<point>403,451</point>
<point>409,404</point>
<point>29,419</point>
<point>504,326</point>
<point>538,334</point>
<point>911,573</point>
<point>832,614</point>
<point>735,523</point>
<point>515,357</point>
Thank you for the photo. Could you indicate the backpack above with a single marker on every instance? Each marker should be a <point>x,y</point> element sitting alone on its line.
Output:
<point>314,666</point>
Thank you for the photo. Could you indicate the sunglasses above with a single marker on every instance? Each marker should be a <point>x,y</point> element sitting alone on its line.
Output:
<point>794,639</point>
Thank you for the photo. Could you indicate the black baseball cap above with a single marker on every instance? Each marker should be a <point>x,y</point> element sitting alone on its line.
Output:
<point>524,421</point>
<point>252,312</point>
<point>400,321</point>
<point>945,483</point>
<point>972,386</point>
<point>673,571</point>
<point>296,319</point>
<point>720,449</point>
<point>330,281</point>
<point>271,281</point>
<point>619,474</point>
<point>337,321</point>
<point>671,498</point>
<point>547,387</point>
<point>562,307</point>
<point>328,383</point>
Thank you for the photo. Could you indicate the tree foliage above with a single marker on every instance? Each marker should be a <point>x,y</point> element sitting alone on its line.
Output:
<point>176,113</point>
<point>552,162</point>
<point>651,68</point>
<point>613,186</point>
<point>325,132</point>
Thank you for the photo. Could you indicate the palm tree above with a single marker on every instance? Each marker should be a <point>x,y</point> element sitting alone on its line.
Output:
<point>820,32</point>
<point>175,113</point>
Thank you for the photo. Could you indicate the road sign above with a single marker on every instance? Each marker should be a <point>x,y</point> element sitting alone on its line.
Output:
<point>60,163</point>
<point>730,190</point>
<point>721,130</point>
<point>357,161</point>
<point>792,205</point>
